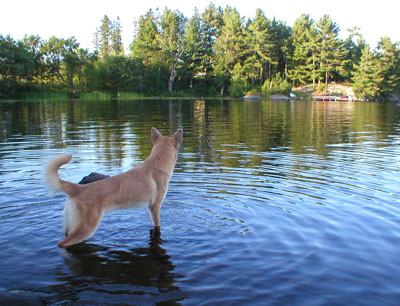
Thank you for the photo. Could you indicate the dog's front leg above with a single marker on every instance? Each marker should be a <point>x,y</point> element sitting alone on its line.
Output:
<point>156,207</point>
<point>155,214</point>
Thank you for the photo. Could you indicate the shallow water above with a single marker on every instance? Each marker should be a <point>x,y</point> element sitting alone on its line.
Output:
<point>284,203</point>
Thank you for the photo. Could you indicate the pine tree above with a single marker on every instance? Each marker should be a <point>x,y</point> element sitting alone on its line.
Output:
<point>104,37</point>
<point>96,40</point>
<point>211,24</point>
<point>193,47</point>
<point>313,60</point>
<point>281,49</point>
<point>331,49</point>
<point>303,38</point>
<point>389,62</point>
<point>230,45</point>
<point>261,46</point>
<point>145,45</point>
<point>116,37</point>
<point>239,85</point>
<point>170,39</point>
<point>366,77</point>
<point>354,44</point>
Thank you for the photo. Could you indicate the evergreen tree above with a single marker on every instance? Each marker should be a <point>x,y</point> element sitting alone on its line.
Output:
<point>331,49</point>
<point>193,47</point>
<point>213,51</point>
<point>108,38</point>
<point>146,48</point>
<point>261,47</point>
<point>105,37</point>
<point>211,24</point>
<point>366,77</point>
<point>239,85</point>
<point>230,45</point>
<point>314,59</point>
<point>303,38</point>
<point>116,37</point>
<point>170,39</point>
<point>281,50</point>
<point>389,66</point>
<point>96,40</point>
<point>145,44</point>
<point>354,44</point>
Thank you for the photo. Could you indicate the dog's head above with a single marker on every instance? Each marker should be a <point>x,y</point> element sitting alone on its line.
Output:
<point>175,139</point>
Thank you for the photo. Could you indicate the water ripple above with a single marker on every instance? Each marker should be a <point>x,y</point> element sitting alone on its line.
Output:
<point>270,206</point>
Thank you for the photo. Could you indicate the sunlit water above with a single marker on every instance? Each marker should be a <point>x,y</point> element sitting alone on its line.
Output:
<point>283,203</point>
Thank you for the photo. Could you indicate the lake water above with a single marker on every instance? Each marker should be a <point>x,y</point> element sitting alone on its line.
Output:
<point>283,203</point>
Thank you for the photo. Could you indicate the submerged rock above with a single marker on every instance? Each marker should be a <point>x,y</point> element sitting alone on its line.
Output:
<point>23,298</point>
<point>253,97</point>
<point>92,177</point>
<point>279,97</point>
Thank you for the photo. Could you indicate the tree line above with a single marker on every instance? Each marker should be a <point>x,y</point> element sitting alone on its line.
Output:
<point>213,53</point>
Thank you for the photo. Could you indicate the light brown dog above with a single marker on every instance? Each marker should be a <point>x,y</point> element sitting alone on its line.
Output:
<point>143,186</point>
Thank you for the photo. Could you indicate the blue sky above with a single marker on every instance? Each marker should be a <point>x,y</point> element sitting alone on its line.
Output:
<point>80,18</point>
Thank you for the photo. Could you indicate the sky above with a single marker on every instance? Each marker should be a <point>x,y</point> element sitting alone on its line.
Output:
<point>79,18</point>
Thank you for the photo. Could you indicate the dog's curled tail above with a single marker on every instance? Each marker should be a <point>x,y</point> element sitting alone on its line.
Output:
<point>54,183</point>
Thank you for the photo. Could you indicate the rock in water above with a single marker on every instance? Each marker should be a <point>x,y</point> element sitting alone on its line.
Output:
<point>93,177</point>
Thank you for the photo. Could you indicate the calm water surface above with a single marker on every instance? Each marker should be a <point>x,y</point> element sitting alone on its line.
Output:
<point>283,203</point>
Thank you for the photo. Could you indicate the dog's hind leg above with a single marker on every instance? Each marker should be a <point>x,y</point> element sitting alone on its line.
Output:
<point>71,217</point>
<point>74,238</point>
<point>79,225</point>
<point>83,232</point>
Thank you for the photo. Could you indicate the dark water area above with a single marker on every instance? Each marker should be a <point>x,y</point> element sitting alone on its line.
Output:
<point>271,203</point>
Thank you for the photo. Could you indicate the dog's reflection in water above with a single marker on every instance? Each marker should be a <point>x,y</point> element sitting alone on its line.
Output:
<point>149,266</point>
<point>93,266</point>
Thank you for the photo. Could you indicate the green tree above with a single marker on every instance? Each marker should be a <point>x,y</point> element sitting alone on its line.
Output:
<point>19,63</point>
<point>303,38</point>
<point>239,85</point>
<point>366,77</point>
<point>282,49</point>
<point>211,24</point>
<point>331,49</point>
<point>314,58</point>
<point>229,46</point>
<point>172,25</point>
<point>110,73</point>
<point>193,47</point>
<point>117,46</point>
<point>64,60</point>
<point>87,76</point>
<point>388,55</point>
<point>145,44</point>
<point>354,44</point>
<point>104,38</point>
<point>33,64</point>
<point>146,48</point>
<point>278,85</point>
<point>96,40</point>
<point>260,53</point>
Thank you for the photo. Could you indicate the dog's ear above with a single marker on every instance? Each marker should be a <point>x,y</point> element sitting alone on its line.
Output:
<point>178,137</point>
<point>155,134</point>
